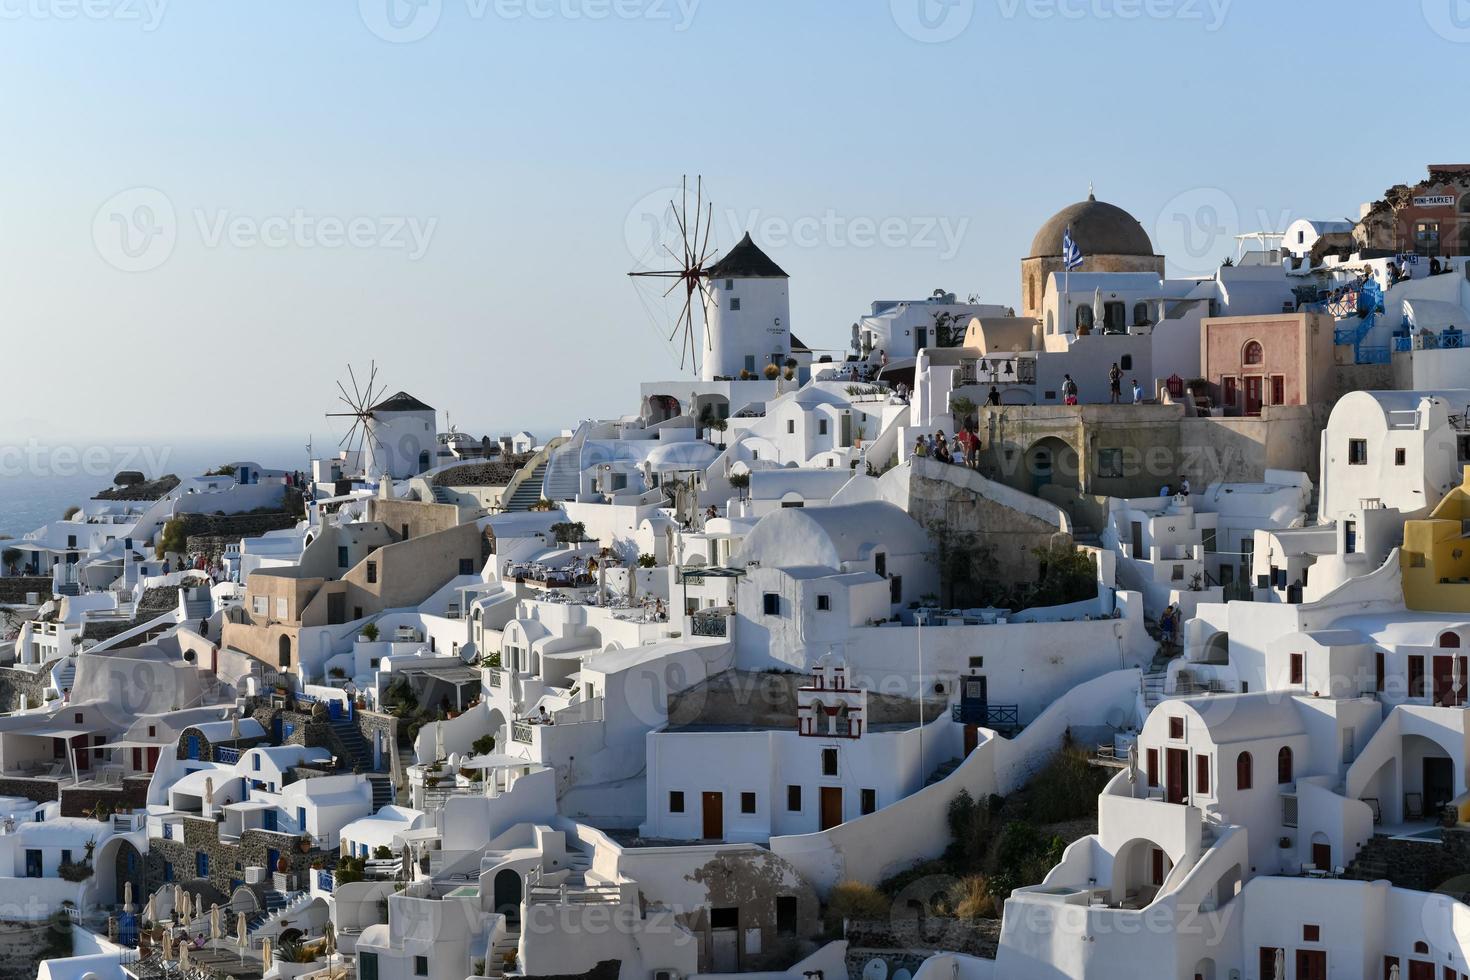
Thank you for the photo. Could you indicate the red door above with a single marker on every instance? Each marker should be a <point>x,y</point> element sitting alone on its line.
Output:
<point>1444,681</point>
<point>1178,775</point>
<point>831,814</point>
<point>1253,394</point>
<point>1156,870</point>
<point>1322,856</point>
<point>1311,964</point>
<point>972,738</point>
<point>153,759</point>
<point>80,754</point>
<point>1420,970</point>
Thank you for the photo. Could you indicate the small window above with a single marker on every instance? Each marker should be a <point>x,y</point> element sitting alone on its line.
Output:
<point>466,566</point>
<point>1176,727</point>
<point>1202,775</point>
<point>1357,452</point>
<point>1110,463</point>
<point>676,801</point>
<point>747,802</point>
<point>1399,457</point>
<point>786,915</point>
<point>1243,771</point>
<point>793,799</point>
<point>791,427</point>
<point>821,427</point>
<point>772,604</point>
<point>1283,765</point>
<point>1298,668</point>
<point>343,557</point>
<point>869,800</point>
<point>977,662</point>
<point>1210,540</point>
<point>420,966</point>
<point>824,603</point>
<point>1311,934</point>
<point>1125,363</point>
<point>829,762</point>
<point>372,572</point>
<point>880,563</point>
<point>734,304</point>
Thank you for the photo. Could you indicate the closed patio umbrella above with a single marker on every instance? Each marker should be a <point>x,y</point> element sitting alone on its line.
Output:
<point>216,923</point>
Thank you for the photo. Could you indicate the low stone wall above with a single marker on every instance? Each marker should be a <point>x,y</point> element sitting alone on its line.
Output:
<point>16,685</point>
<point>738,697</point>
<point>919,936</point>
<point>14,588</point>
<point>39,790</point>
<point>132,794</point>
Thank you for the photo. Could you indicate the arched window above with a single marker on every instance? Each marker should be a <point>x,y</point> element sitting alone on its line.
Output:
<point>1449,640</point>
<point>283,658</point>
<point>1253,353</point>
<point>1140,313</point>
<point>1283,765</point>
<point>1421,948</point>
<point>1243,771</point>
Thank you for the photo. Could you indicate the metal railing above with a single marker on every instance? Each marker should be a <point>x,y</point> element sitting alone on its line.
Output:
<point>998,716</point>
<point>226,754</point>
<point>495,678</point>
<point>520,731</point>
<point>707,625</point>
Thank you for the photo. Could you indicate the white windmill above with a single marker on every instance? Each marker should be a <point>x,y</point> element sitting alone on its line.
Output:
<point>362,441</point>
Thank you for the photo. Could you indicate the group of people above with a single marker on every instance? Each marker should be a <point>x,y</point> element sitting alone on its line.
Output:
<point>963,450</point>
<point>1070,391</point>
<point>1168,490</point>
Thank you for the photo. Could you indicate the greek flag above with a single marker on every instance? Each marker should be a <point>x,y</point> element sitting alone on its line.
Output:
<point>1071,254</point>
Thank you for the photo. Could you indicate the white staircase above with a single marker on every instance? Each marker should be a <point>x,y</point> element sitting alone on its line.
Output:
<point>1153,689</point>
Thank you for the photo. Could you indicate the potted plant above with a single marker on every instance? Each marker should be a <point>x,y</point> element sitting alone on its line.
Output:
<point>771,372</point>
<point>370,632</point>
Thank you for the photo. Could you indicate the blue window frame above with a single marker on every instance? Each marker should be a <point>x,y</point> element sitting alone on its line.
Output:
<point>201,864</point>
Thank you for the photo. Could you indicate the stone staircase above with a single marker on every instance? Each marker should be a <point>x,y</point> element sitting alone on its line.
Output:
<point>197,609</point>
<point>943,771</point>
<point>383,793</point>
<point>530,492</point>
<point>277,905</point>
<point>1422,865</point>
<point>66,673</point>
<point>359,753</point>
<point>504,952</point>
<point>1153,689</point>
<point>441,495</point>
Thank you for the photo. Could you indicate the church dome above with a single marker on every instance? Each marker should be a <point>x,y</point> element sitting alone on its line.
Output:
<point>1098,228</point>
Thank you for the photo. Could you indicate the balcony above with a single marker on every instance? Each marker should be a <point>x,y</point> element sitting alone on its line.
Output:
<point>520,731</point>
<point>710,625</point>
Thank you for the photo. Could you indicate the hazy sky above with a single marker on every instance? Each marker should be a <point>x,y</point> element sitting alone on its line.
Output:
<point>208,208</point>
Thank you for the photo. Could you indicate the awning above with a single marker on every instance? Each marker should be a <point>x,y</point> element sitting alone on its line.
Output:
<point>450,675</point>
<point>56,731</point>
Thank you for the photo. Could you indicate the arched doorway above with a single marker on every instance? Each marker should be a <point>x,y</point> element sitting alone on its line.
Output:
<point>1051,461</point>
<point>507,892</point>
<point>283,652</point>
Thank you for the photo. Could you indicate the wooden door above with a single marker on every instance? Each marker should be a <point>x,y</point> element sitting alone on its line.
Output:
<point>152,758</point>
<point>831,799</point>
<point>1322,856</point>
<point>1253,394</point>
<point>1156,868</point>
<point>80,753</point>
<point>1421,970</point>
<point>714,816</point>
<point>1311,964</point>
<point>972,738</point>
<point>1444,681</point>
<point>1178,775</point>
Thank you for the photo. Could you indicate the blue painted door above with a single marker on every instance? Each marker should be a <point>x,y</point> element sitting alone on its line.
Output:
<point>191,747</point>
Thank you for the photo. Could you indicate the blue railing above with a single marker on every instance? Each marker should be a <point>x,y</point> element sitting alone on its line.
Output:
<point>1374,355</point>
<point>325,879</point>
<point>225,754</point>
<point>1401,344</point>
